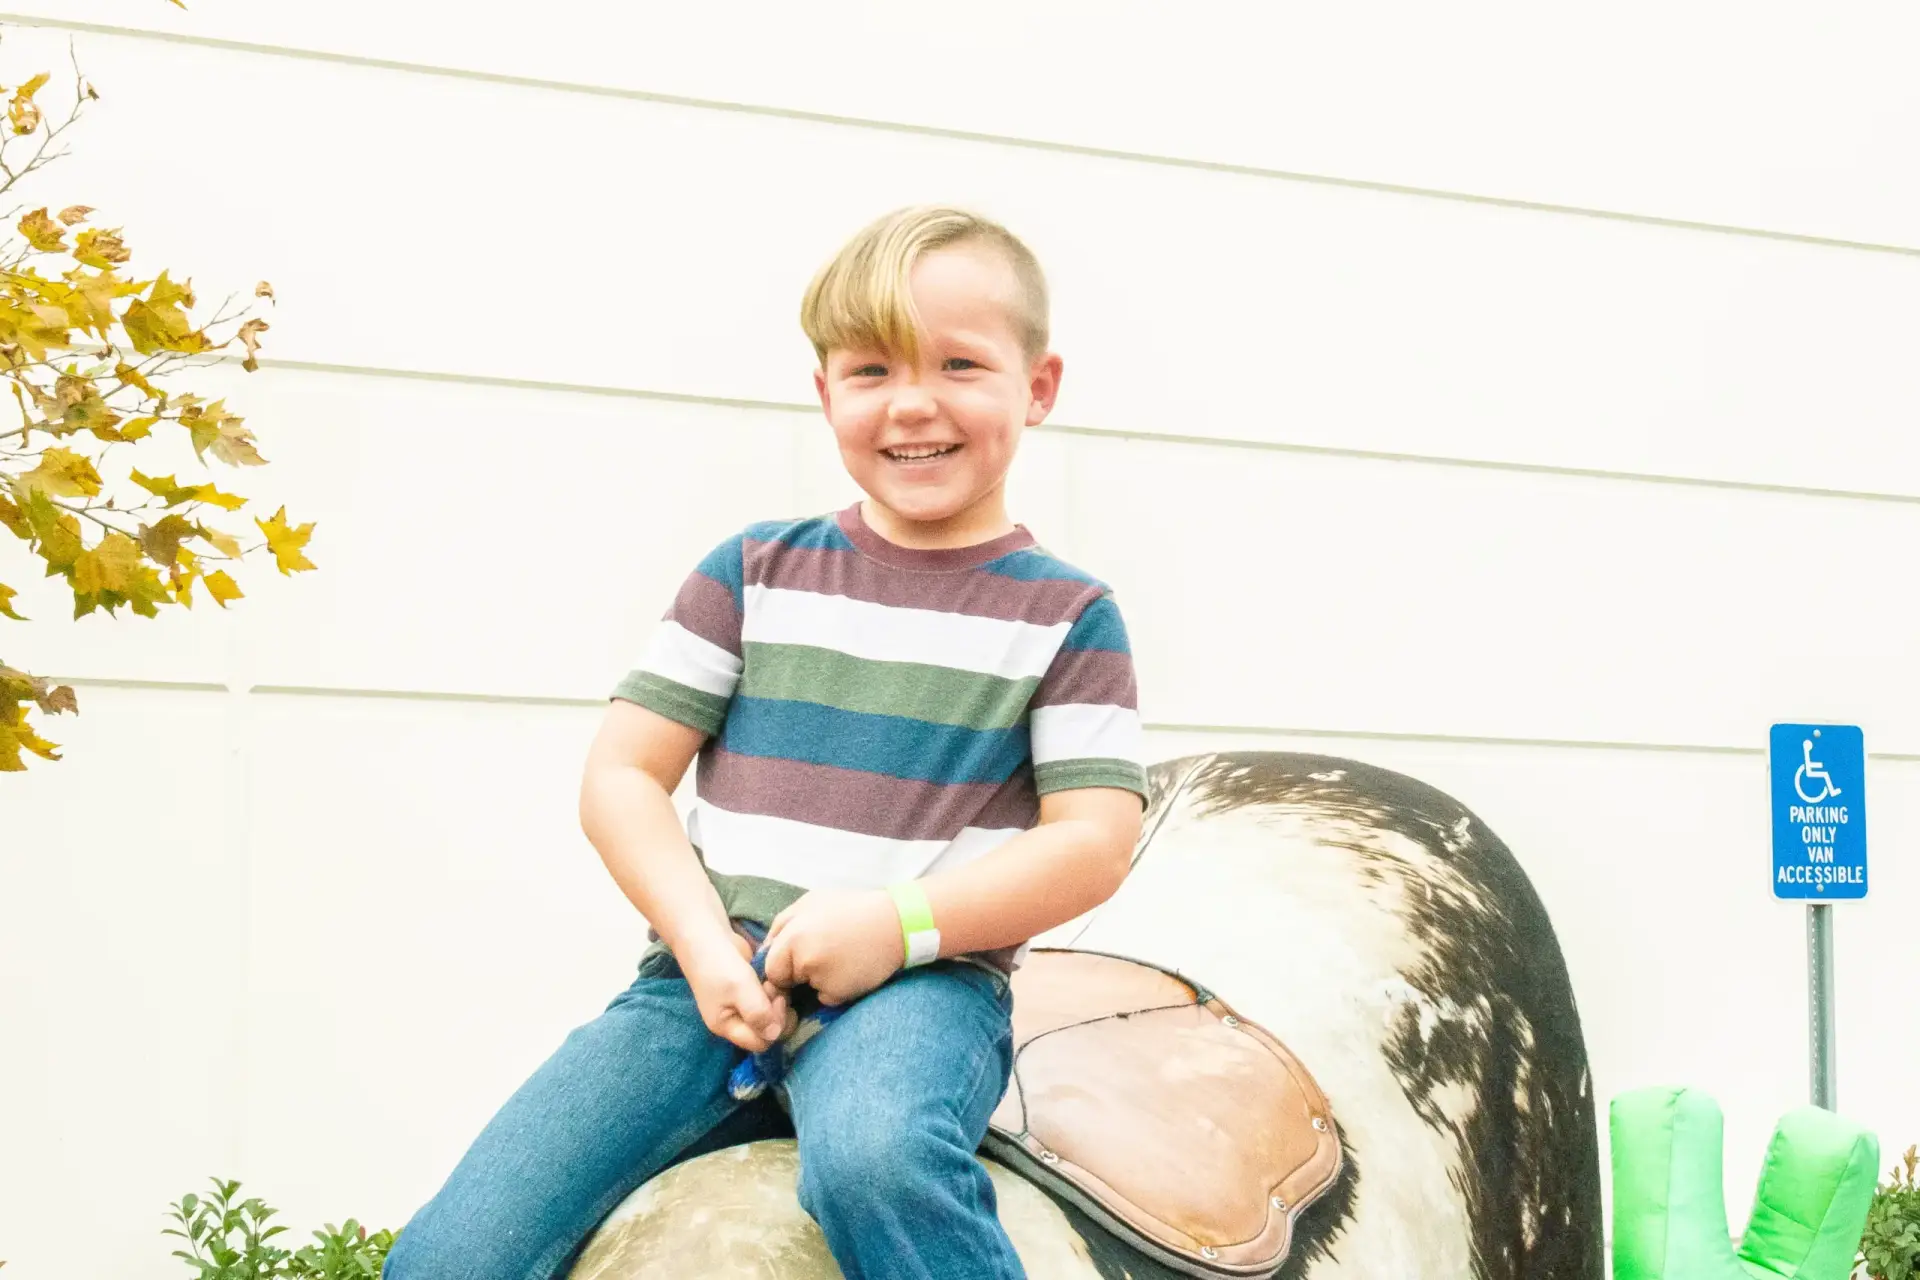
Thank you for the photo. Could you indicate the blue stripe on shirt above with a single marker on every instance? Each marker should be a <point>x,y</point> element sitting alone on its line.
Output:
<point>818,534</point>
<point>723,565</point>
<point>895,746</point>
<point>1030,564</point>
<point>1099,626</point>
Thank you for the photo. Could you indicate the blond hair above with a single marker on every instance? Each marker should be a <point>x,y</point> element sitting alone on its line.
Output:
<point>862,297</point>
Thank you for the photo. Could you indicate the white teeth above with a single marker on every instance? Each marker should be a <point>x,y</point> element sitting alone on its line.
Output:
<point>916,455</point>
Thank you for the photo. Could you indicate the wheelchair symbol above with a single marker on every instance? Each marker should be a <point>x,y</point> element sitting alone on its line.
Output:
<point>1812,771</point>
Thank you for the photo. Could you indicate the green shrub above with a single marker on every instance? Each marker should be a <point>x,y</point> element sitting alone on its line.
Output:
<point>229,1241</point>
<point>1890,1248</point>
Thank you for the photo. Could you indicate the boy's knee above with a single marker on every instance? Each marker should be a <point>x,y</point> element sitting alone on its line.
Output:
<point>881,1163</point>
<point>427,1250</point>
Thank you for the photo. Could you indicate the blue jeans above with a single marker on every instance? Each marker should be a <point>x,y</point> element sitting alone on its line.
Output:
<point>889,1104</point>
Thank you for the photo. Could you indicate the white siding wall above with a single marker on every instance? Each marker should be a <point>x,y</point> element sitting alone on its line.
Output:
<point>1521,402</point>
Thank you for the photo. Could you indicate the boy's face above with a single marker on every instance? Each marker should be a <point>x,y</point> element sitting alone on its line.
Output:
<point>931,441</point>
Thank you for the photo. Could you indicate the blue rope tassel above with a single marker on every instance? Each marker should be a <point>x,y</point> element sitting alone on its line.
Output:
<point>758,1072</point>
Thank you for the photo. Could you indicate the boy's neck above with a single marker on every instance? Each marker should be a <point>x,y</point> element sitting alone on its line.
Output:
<point>982,522</point>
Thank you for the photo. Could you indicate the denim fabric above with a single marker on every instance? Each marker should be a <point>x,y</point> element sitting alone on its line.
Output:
<point>889,1104</point>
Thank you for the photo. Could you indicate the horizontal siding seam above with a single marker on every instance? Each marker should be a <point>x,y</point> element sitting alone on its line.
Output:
<point>1225,730</point>
<point>954,134</point>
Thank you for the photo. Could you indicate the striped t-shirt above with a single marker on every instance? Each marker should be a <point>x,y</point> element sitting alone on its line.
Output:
<point>879,712</point>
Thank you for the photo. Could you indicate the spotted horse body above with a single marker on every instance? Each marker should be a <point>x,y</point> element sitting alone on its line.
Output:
<point>1380,930</point>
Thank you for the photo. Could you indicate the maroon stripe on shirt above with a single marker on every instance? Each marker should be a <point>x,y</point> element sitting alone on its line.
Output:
<point>1088,675</point>
<point>1044,602</point>
<point>706,608</point>
<point>867,803</point>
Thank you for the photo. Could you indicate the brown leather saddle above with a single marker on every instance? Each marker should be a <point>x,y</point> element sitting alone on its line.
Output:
<point>1187,1131</point>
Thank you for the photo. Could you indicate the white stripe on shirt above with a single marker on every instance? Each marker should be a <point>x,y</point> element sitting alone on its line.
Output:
<point>681,656</point>
<point>815,857</point>
<point>1085,731</point>
<point>891,633</point>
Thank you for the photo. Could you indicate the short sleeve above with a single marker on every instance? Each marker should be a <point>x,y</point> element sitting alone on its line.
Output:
<point>693,660</point>
<point>1084,717</point>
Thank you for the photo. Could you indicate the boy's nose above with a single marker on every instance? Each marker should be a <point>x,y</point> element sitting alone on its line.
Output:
<point>910,403</point>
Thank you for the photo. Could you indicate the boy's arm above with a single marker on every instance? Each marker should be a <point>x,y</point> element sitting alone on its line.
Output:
<point>1074,860</point>
<point>846,942</point>
<point>626,808</point>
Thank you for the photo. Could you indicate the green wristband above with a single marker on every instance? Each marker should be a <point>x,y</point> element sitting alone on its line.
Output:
<point>917,930</point>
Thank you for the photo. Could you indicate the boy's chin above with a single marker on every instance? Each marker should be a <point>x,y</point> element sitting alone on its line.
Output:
<point>926,508</point>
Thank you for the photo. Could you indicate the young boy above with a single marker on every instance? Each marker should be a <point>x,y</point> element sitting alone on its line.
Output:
<point>918,748</point>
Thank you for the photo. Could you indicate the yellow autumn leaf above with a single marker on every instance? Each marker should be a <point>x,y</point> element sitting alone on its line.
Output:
<point>212,427</point>
<point>287,544</point>
<point>56,533</point>
<point>210,494</point>
<point>109,566</point>
<point>181,575</point>
<point>250,337</point>
<point>173,493</point>
<point>225,543</point>
<point>161,540</point>
<point>221,587</point>
<point>89,301</point>
<point>264,290</point>
<point>75,214</point>
<point>15,734</point>
<point>7,594</point>
<point>162,328</point>
<point>24,113</point>
<point>129,376</point>
<point>42,232</point>
<point>63,474</point>
<point>146,592</point>
<point>98,248</point>
<point>13,519</point>
<point>82,408</point>
<point>138,429</point>
<point>158,486</point>
<point>166,292</point>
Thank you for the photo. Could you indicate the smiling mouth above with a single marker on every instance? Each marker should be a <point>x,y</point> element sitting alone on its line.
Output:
<point>920,453</point>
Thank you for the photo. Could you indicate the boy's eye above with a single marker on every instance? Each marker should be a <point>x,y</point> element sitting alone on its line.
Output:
<point>961,362</point>
<point>868,371</point>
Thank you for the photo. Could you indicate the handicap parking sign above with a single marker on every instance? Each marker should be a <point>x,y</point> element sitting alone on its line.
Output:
<point>1819,787</point>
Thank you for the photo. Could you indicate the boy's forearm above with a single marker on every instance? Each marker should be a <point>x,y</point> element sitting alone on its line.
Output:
<point>1036,881</point>
<point>631,821</point>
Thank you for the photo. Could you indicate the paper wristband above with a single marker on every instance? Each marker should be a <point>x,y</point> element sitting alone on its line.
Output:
<point>916,924</point>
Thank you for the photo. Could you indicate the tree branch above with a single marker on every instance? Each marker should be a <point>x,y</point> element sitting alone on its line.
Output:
<point>40,158</point>
<point>88,513</point>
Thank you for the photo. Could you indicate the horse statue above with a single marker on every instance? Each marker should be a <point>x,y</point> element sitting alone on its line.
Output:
<point>1381,933</point>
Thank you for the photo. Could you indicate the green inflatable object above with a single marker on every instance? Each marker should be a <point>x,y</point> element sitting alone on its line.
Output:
<point>1669,1204</point>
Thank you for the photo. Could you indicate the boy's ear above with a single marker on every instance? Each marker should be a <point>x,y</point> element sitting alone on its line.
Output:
<point>1043,387</point>
<point>820,389</point>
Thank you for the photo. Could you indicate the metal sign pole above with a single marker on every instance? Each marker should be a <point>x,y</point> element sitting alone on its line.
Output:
<point>1820,1003</point>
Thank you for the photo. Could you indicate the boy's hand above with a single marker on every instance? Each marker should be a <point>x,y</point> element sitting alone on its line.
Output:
<point>841,942</point>
<point>734,1004</point>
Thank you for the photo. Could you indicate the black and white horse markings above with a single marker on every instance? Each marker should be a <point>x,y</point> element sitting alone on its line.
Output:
<point>1390,939</point>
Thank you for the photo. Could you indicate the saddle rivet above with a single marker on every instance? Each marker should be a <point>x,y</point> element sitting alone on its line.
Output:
<point>1279,1203</point>
<point>1048,1157</point>
<point>1231,1021</point>
<point>1320,1123</point>
<point>1208,1252</point>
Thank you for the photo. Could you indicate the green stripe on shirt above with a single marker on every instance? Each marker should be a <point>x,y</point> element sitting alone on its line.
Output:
<point>1071,775</point>
<point>912,690</point>
<point>675,701</point>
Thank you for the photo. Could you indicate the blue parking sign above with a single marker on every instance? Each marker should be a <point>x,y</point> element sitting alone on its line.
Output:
<point>1819,774</point>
